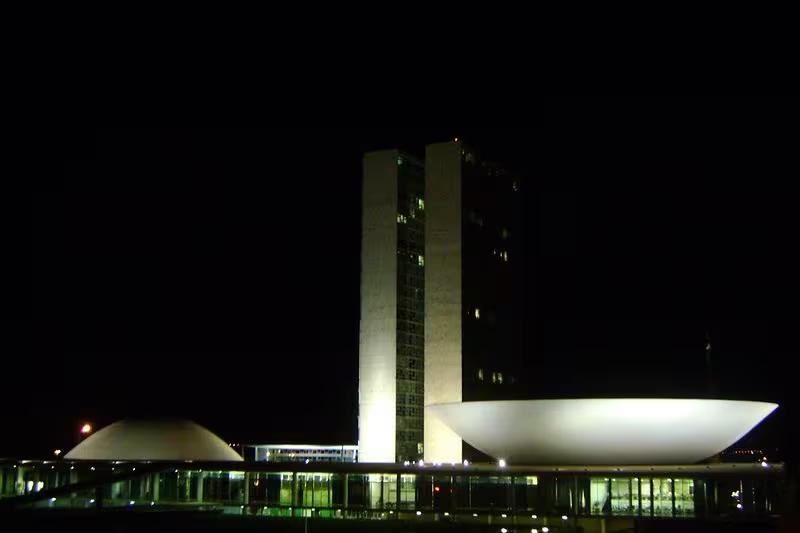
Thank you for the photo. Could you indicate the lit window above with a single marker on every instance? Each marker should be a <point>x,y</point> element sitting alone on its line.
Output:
<point>399,160</point>
<point>401,219</point>
<point>420,204</point>
<point>504,256</point>
<point>494,377</point>
<point>480,374</point>
<point>421,260</point>
<point>500,378</point>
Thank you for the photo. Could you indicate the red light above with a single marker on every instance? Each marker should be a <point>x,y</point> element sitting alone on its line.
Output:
<point>437,489</point>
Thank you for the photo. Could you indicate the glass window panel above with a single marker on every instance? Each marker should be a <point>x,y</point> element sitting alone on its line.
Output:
<point>684,497</point>
<point>408,491</point>
<point>662,497</point>
<point>599,496</point>
<point>621,500</point>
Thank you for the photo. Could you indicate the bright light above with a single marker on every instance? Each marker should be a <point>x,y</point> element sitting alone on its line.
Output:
<point>501,463</point>
<point>534,530</point>
<point>52,499</point>
<point>419,513</point>
<point>534,516</point>
<point>406,463</point>
<point>545,529</point>
<point>455,140</point>
<point>446,513</point>
<point>91,501</point>
<point>421,463</point>
<point>475,515</point>
<point>503,530</point>
<point>436,488</point>
<point>504,515</point>
<point>564,517</point>
<point>308,461</point>
<point>131,502</point>
<point>739,506</point>
<point>764,464</point>
<point>57,452</point>
<point>152,504</point>
<point>86,429</point>
<point>466,463</point>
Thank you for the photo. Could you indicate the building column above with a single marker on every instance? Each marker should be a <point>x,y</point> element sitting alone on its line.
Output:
<point>346,495</point>
<point>200,478</point>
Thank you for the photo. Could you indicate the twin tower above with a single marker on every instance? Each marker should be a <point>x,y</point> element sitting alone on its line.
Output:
<point>440,263</point>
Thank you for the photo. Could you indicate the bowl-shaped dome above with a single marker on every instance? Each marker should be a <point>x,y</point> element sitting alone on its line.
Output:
<point>154,440</point>
<point>602,431</point>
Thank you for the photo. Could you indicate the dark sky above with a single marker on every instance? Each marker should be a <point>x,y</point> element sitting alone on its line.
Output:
<point>214,275</point>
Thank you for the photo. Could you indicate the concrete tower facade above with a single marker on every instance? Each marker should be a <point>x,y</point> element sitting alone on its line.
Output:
<point>391,332</point>
<point>442,295</point>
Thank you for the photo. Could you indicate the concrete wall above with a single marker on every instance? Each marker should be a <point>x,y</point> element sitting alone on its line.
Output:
<point>442,295</point>
<point>378,327</point>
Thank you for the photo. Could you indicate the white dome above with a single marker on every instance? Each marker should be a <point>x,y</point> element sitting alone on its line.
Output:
<point>602,431</point>
<point>154,440</point>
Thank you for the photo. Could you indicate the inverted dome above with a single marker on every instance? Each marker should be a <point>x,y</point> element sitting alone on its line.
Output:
<point>154,440</point>
<point>602,431</point>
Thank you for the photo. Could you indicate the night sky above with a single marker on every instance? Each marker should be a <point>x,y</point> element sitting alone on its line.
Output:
<point>214,275</point>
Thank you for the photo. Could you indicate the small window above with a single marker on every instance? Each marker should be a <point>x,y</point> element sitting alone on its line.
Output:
<point>421,204</point>
<point>421,260</point>
<point>401,219</point>
<point>500,378</point>
<point>399,161</point>
<point>480,374</point>
<point>477,314</point>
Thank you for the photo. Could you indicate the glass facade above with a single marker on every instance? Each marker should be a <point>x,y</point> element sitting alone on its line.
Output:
<point>491,229</point>
<point>344,491</point>
<point>410,309</point>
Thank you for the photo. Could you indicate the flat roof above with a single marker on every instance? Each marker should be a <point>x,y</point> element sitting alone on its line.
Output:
<point>695,470</point>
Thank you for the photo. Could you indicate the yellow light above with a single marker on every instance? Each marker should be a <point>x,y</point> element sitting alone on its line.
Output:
<point>86,428</point>
<point>57,452</point>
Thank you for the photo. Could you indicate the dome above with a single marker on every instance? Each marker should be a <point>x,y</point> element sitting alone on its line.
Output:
<point>602,431</point>
<point>154,440</point>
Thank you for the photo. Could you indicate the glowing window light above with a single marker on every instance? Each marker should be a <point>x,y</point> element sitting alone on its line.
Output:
<point>501,463</point>
<point>419,513</point>
<point>57,452</point>
<point>564,517</point>
<point>545,529</point>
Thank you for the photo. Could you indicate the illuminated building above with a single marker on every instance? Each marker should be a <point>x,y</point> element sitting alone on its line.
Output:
<point>440,259</point>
